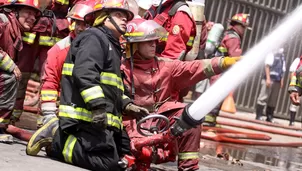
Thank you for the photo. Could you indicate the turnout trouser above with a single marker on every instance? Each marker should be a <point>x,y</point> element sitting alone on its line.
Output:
<point>90,148</point>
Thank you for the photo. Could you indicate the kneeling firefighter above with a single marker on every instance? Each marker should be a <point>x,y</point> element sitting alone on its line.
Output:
<point>89,133</point>
<point>154,83</point>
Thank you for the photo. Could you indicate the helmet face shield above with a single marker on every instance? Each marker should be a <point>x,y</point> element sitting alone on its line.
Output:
<point>140,30</point>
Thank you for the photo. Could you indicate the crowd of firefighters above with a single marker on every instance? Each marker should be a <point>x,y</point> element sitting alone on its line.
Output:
<point>109,64</point>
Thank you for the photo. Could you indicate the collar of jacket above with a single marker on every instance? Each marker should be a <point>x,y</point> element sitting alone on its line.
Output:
<point>15,30</point>
<point>143,64</point>
<point>115,41</point>
<point>237,31</point>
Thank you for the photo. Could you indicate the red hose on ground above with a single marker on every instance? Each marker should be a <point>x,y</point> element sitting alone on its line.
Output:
<point>33,84</point>
<point>236,134</point>
<point>259,128</point>
<point>220,138</point>
<point>30,109</point>
<point>225,115</point>
<point>19,133</point>
<point>32,101</point>
<point>246,136</point>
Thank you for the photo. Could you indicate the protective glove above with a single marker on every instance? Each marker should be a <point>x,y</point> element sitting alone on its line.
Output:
<point>135,111</point>
<point>227,62</point>
<point>99,119</point>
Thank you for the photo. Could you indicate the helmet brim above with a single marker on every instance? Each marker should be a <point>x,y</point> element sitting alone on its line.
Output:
<point>21,5</point>
<point>130,14</point>
<point>239,22</point>
<point>133,40</point>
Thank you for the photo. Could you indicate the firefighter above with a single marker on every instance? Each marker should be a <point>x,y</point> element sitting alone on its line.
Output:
<point>230,46</point>
<point>293,79</point>
<point>176,17</point>
<point>15,17</point>
<point>165,78</point>
<point>92,99</point>
<point>295,88</point>
<point>51,27</point>
<point>56,56</point>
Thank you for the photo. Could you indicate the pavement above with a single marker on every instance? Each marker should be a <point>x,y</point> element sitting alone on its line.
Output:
<point>253,158</point>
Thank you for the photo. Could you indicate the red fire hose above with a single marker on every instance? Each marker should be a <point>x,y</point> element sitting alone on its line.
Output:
<point>19,133</point>
<point>225,115</point>
<point>236,134</point>
<point>259,128</point>
<point>30,109</point>
<point>221,138</point>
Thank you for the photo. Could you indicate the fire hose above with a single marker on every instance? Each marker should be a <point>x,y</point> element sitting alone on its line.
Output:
<point>221,138</point>
<point>259,128</point>
<point>224,115</point>
<point>236,134</point>
<point>19,133</point>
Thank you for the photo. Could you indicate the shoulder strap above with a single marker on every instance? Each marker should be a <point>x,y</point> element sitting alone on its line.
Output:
<point>176,6</point>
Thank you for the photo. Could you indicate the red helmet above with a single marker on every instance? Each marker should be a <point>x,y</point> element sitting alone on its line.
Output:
<point>107,5</point>
<point>141,30</point>
<point>241,19</point>
<point>79,10</point>
<point>34,4</point>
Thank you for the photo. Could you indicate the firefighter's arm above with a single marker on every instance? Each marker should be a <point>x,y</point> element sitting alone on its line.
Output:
<point>233,46</point>
<point>6,63</point>
<point>179,36</point>
<point>88,64</point>
<point>188,73</point>
<point>50,83</point>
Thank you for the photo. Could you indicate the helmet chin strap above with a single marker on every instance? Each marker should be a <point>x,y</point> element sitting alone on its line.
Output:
<point>116,26</point>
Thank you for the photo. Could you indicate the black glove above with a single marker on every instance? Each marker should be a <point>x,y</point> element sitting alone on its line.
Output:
<point>99,119</point>
<point>135,111</point>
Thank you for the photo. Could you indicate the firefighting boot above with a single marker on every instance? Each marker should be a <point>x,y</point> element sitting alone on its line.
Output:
<point>259,111</point>
<point>269,113</point>
<point>42,137</point>
<point>292,118</point>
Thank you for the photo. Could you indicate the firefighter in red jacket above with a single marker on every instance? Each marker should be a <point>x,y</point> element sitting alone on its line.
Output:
<point>15,18</point>
<point>155,83</point>
<point>179,23</point>
<point>230,46</point>
<point>51,27</point>
<point>56,56</point>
